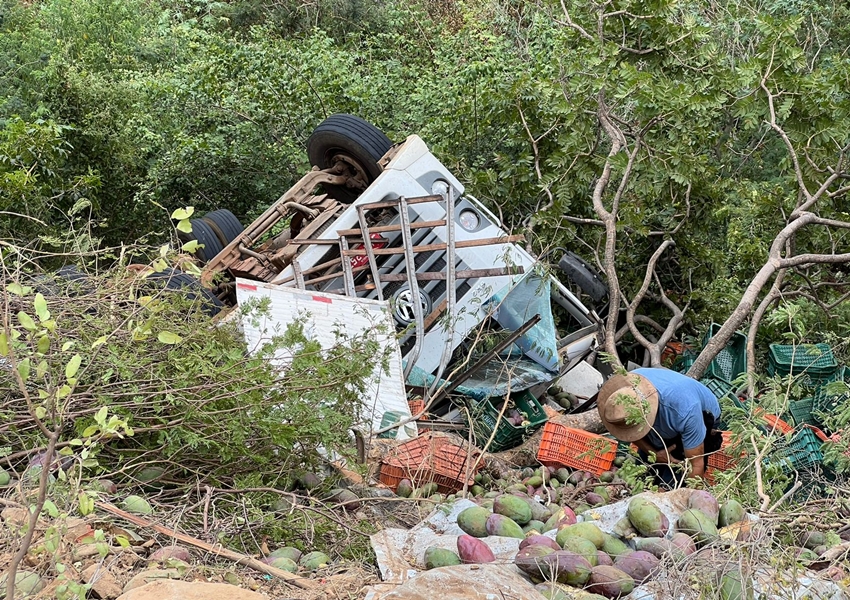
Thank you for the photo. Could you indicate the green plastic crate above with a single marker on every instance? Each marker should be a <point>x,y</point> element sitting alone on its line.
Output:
<point>801,453</point>
<point>816,360</point>
<point>732,360</point>
<point>826,403</point>
<point>721,388</point>
<point>683,363</point>
<point>802,412</point>
<point>485,416</point>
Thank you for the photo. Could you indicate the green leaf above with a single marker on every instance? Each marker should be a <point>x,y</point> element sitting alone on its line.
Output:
<point>190,246</point>
<point>41,307</point>
<point>85,504</point>
<point>24,369</point>
<point>42,346</point>
<point>167,337</point>
<point>73,366</point>
<point>160,265</point>
<point>4,344</point>
<point>100,416</point>
<point>183,213</point>
<point>98,342</point>
<point>90,430</point>
<point>122,541</point>
<point>67,346</point>
<point>64,391</point>
<point>185,226</point>
<point>17,289</point>
<point>51,509</point>
<point>40,412</point>
<point>26,321</point>
<point>163,250</point>
<point>41,370</point>
<point>75,442</point>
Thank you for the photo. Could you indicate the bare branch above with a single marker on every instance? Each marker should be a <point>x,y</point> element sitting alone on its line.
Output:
<point>803,259</point>
<point>569,23</point>
<point>655,352</point>
<point>772,295</point>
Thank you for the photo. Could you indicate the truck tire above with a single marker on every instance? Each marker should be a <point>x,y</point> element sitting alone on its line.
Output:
<point>583,275</point>
<point>225,225</point>
<point>205,235</point>
<point>172,280</point>
<point>353,137</point>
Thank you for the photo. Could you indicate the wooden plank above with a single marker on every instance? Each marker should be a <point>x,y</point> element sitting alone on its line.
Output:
<point>385,228</point>
<point>434,247</point>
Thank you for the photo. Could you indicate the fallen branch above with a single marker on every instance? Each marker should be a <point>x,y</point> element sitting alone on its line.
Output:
<point>241,559</point>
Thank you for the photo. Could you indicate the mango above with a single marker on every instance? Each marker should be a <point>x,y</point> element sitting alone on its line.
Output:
<point>562,475</point>
<point>346,499</point>
<point>610,582</point>
<point>497,524</point>
<point>614,547</point>
<point>314,561</point>
<point>487,504</point>
<point>533,526</point>
<point>659,547</point>
<point>473,551</point>
<point>733,586</point>
<point>440,557</point>
<point>539,540</point>
<point>812,539</point>
<point>538,511</point>
<point>492,495</point>
<point>283,563</point>
<point>602,491</point>
<point>684,542</point>
<point>731,512</point>
<point>705,502</point>
<point>603,558</point>
<point>137,505</point>
<point>530,561</point>
<point>534,482</point>
<point>698,525</point>
<point>564,516</point>
<point>567,567</point>
<point>404,489</point>
<point>639,565</point>
<point>645,517</point>
<point>582,547</point>
<point>293,554</point>
<point>595,499</point>
<point>623,529</point>
<point>429,489</point>
<point>477,491</point>
<point>588,531</point>
<point>473,520</point>
<point>804,555</point>
<point>606,477</point>
<point>5,478</point>
<point>512,507</point>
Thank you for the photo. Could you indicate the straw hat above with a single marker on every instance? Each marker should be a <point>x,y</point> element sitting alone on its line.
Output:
<point>628,405</point>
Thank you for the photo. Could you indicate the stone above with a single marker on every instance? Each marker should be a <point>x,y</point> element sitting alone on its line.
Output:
<point>176,552</point>
<point>165,589</point>
<point>151,575</point>
<point>103,584</point>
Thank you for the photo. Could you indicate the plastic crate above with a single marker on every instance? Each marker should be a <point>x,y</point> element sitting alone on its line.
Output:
<point>563,446</point>
<point>772,423</point>
<point>801,453</point>
<point>417,405</point>
<point>727,457</point>
<point>826,403</point>
<point>684,362</point>
<point>731,361</point>
<point>812,359</point>
<point>430,458</point>
<point>485,419</point>
<point>802,412</point>
<point>721,388</point>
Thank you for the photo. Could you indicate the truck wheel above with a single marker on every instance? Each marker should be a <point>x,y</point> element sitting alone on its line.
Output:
<point>206,236</point>
<point>583,275</point>
<point>172,280</point>
<point>225,225</point>
<point>354,139</point>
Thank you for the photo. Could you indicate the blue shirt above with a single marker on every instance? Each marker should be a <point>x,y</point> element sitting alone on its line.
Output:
<point>681,402</point>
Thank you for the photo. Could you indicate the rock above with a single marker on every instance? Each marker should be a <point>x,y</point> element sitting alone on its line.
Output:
<point>151,575</point>
<point>26,582</point>
<point>176,552</point>
<point>103,584</point>
<point>185,590</point>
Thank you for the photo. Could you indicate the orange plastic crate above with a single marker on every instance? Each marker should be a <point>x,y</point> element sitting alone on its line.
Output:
<point>722,460</point>
<point>566,447</point>
<point>417,405</point>
<point>774,423</point>
<point>429,458</point>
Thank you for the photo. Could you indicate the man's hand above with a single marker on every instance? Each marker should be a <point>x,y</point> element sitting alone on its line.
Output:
<point>697,460</point>
<point>663,456</point>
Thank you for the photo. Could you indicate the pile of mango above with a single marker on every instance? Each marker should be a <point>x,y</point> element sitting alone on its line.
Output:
<point>292,559</point>
<point>604,565</point>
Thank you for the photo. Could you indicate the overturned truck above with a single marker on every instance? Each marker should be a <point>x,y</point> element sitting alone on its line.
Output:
<point>389,224</point>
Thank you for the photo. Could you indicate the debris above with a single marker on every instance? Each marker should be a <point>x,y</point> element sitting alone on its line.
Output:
<point>102,582</point>
<point>185,590</point>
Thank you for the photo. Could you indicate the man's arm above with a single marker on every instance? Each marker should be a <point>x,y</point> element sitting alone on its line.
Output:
<point>661,456</point>
<point>696,460</point>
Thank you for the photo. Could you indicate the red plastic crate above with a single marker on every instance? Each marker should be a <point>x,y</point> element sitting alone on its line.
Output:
<point>774,423</point>
<point>722,460</point>
<point>417,405</point>
<point>429,458</point>
<point>566,447</point>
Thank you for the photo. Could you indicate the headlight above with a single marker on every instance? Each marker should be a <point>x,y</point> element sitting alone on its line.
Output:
<point>469,219</point>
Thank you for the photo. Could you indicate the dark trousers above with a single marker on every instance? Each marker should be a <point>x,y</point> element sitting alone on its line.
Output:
<point>670,476</point>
